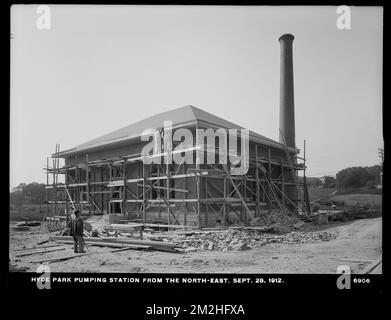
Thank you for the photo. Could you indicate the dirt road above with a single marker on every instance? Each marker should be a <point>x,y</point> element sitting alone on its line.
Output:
<point>355,240</point>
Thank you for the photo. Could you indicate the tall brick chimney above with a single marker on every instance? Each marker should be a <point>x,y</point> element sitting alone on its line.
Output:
<point>287,106</point>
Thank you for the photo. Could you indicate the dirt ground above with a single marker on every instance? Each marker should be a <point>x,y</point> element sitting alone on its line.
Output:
<point>355,240</point>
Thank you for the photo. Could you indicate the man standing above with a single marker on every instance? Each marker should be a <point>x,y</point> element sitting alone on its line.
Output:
<point>76,231</point>
<point>70,218</point>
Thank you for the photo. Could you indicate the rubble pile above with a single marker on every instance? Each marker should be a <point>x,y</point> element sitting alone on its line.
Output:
<point>277,217</point>
<point>238,240</point>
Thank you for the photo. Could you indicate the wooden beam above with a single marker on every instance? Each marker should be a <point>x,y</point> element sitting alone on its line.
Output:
<point>158,193</point>
<point>198,201</point>
<point>206,196</point>
<point>225,202</point>
<point>269,174</point>
<point>372,266</point>
<point>185,195</point>
<point>168,190</point>
<point>238,193</point>
<point>144,194</point>
<point>122,240</point>
<point>283,185</point>
<point>257,195</point>
<point>111,244</point>
<point>124,190</point>
<point>88,185</point>
<point>76,256</point>
<point>179,176</point>
<point>165,188</point>
<point>37,247</point>
<point>38,252</point>
<point>111,190</point>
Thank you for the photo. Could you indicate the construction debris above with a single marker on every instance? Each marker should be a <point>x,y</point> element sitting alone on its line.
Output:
<point>298,225</point>
<point>237,240</point>
<point>321,218</point>
<point>29,223</point>
<point>278,218</point>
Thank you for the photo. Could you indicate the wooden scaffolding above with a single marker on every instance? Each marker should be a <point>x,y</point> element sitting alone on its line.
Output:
<point>178,194</point>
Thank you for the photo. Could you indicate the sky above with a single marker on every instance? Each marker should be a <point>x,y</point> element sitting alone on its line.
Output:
<point>100,68</point>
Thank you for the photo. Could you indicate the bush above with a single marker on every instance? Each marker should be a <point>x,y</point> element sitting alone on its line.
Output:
<point>33,192</point>
<point>359,177</point>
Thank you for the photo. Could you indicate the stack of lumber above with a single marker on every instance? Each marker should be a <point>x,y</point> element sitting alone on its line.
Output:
<point>130,226</point>
<point>121,242</point>
<point>86,233</point>
<point>96,233</point>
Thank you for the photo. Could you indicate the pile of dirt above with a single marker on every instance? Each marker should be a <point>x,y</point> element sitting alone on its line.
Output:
<point>238,240</point>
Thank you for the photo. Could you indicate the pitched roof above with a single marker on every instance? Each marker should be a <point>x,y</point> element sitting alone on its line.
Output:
<point>187,115</point>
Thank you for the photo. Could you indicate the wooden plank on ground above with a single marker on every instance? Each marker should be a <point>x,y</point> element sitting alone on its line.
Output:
<point>75,256</point>
<point>42,242</point>
<point>118,240</point>
<point>357,260</point>
<point>372,266</point>
<point>36,247</point>
<point>22,254</point>
<point>111,245</point>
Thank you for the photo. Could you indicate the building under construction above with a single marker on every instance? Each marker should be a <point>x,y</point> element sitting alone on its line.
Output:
<point>107,175</point>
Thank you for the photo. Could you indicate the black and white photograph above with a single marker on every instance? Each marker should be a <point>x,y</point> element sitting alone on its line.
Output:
<point>196,139</point>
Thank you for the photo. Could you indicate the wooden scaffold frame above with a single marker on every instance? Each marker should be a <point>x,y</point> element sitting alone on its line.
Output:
<point>244,197</point>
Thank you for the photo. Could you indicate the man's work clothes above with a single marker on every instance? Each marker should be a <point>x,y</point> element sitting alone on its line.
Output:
<point>78,244</point>
<point>76,227</point>
<point>76,231</point>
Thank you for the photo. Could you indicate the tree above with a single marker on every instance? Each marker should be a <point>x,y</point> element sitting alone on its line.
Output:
<point>19,188</point>
<point>33,191</point>
<point>329,182</point>
<point>358,177</point>
<point>314,182</point>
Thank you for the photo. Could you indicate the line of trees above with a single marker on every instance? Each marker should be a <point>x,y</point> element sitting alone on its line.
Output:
<point>359,177</point>
<point>353,177</point>
<point>32,193</point>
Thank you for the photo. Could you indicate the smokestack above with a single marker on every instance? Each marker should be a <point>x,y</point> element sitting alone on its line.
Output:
<point>287,106</point>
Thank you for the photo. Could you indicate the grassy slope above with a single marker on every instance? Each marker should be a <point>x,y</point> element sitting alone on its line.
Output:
<point>373,200</point>
<point>31,211</point>
<point>320,193</point>
<point>31,215</point>
<point>352,199</point>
